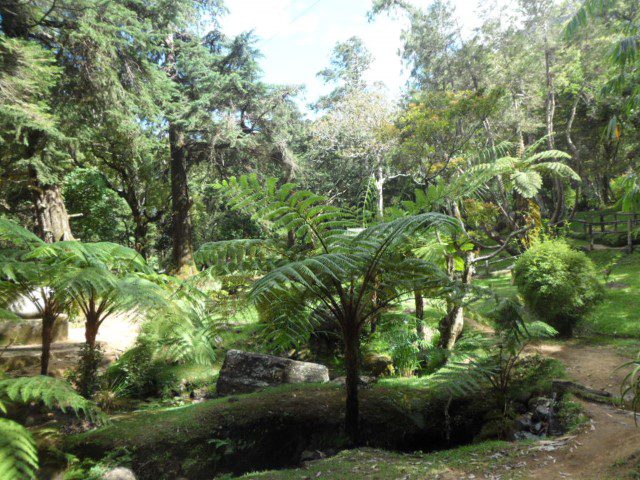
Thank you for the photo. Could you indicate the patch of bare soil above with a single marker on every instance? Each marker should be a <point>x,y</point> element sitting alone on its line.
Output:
<point>601,449</point>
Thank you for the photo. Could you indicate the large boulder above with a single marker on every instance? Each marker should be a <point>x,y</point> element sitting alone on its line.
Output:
<point>244,372</point>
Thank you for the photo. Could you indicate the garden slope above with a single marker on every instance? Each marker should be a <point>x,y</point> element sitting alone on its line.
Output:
<point>271,429</point>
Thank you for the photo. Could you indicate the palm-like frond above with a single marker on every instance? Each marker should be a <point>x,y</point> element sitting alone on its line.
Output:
<point>241,255</point>
<point>589,9</point>
<point>52,392</point>
<point>18,452</point>
<point>309,216</point>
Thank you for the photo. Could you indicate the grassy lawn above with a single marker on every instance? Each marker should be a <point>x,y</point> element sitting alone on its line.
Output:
<point>379,464</point>
<point>619,314</point>
<point>617,317</point>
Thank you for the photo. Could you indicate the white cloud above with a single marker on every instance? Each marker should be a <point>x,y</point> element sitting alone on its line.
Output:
<point>296,36</point>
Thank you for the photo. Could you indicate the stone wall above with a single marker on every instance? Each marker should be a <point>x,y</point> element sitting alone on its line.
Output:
<point>29,331</point>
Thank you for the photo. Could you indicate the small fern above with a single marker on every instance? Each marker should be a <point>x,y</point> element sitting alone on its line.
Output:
<point>18,452</point>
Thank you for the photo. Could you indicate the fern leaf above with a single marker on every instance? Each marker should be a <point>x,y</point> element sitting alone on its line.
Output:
<point>52,392</point>
<point>18,452</point>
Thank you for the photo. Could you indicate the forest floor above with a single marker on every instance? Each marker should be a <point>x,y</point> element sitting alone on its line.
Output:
<point>607,447</point>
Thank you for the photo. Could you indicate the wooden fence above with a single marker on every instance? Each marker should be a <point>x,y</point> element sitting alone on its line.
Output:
<point>622,223</point>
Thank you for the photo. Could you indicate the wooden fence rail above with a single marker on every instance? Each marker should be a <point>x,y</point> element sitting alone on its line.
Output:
<point>621,223</point>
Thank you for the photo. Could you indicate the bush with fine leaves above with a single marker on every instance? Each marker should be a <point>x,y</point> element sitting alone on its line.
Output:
<point>559,284</point>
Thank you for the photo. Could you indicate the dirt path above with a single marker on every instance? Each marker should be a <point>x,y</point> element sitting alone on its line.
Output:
<point>117,335</point>
<point>606,449</point>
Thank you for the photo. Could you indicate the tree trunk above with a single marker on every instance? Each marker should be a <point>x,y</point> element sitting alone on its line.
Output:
<point>140,232</point>
<point>48,322</point>
<point>91,329</point>
<point>451,326</point>
<point>352,361</point>
<point>380,189</point>
<point>575,151</point>
<point>419,305</point>
<point>550,107</point>
<point>181,204</point>
<point>52,218</point>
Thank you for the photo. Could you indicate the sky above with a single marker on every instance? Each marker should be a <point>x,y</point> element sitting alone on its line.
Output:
<point>296,37</point>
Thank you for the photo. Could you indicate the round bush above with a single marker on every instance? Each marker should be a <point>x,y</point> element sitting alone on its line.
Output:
<point>558,284</point>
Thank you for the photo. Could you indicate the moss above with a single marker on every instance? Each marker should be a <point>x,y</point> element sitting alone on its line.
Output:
<point>571,414</point>
<point>272,428</point>
<point>368,464</point>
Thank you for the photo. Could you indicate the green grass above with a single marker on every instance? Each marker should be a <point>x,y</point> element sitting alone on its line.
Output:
<point>617,318</point>
<point>619,314</point>
<point>371,464</point>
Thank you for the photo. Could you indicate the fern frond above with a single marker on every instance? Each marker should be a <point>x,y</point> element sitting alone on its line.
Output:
<point>52,392</point>
<point>557,168</point>
<point>527,183</point>
<point>230,256</point>
<point>18,452</point>
<point>309,216</point>
<point>547,154</point>
<point>13,234</point>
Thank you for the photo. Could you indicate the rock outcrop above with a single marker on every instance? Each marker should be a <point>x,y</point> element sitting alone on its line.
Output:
<point>245,372</point>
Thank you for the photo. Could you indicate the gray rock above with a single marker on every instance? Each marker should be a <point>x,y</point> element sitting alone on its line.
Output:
<point>309,456</point>
<point>365,381</point>
<point>119,473</point>
<point>244,372</point>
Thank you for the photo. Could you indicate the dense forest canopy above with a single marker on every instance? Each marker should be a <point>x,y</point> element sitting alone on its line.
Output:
<point>149,170</point>
<point>121,115</point>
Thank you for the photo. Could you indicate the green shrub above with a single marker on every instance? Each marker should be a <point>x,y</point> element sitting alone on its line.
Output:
<point>140,374</point>
<point>559,285</point>
<point>85,375</point>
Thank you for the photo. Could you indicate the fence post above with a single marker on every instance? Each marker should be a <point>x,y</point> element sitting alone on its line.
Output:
<point>630,234</point>
<point>602,222</point>
<point>591,237</point>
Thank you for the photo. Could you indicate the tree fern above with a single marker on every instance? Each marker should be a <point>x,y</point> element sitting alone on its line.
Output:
<point>307,215</point>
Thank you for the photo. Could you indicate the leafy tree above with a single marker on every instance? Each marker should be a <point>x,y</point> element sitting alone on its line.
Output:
<point>348,277</point>
<point>352,143</point>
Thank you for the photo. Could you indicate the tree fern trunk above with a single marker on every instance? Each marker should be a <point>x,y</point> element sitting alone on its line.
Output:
<point>419,305</point>
<point>48,322</point>
<point>352,352</point>
<point>451,326</point>
<point>91,330</point>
